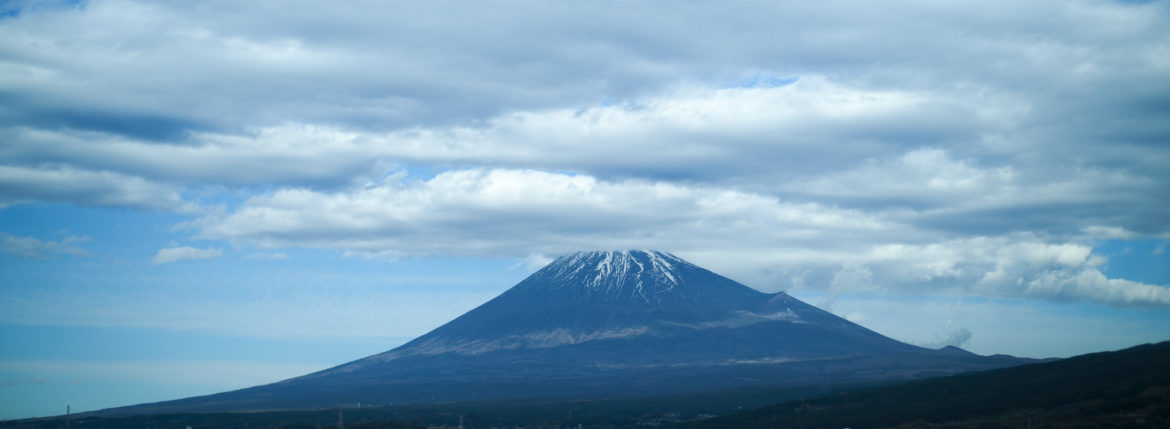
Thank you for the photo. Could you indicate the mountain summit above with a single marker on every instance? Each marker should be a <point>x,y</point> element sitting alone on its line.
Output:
<point>645,276</point>
<point>609,324</point>
<point>650,281</point>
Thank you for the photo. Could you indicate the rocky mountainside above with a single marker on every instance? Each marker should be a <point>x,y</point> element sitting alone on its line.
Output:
<point>605,325</point>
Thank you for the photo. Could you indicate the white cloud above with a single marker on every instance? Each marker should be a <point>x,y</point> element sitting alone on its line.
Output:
<point>33,248</point>
<point>957,337</point>
<point>1090,284</point>
<point>1031,328</point>
<point>534,262</point>
<point>734,134</point>
<point>87,188</point>
<point>1109,232</point>
<point>701,130</point>
<point>959,147</point>
<point>1039,128</point>
<point>764,241</point>
<point>173,254</point>
<point>927,176</point>
<point>147,59</point>
<point>1018,266</point>
<point>489,99</point>
<point>519,212</point>
<point>288,154</point>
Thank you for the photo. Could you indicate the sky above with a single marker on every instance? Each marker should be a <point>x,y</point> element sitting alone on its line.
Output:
<point>203,196</point>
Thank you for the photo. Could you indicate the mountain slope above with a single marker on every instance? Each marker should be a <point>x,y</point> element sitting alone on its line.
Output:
<point>1127,388</point>
<point>595,297</point>
<point>609,324</point>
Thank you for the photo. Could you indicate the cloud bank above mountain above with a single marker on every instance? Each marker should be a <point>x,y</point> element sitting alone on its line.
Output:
<point>958,148</point>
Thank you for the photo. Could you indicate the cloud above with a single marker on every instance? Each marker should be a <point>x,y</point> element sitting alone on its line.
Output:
<point>810,140</point>
<point>1019,266</point>
<point>517,213</point>
<point>1039,127</point>
<point>174,254</point>
<point>1032,328</point>
<point>87,188</point>
<point>945,148</point>
<point>1090,284</point>
<point>20,381</point>
<point>732,134</point>
<point>33,248</point>
<point>520,102</point>
<point>533,262</point>
<point>957,338</point>
<point>706,134</point>
<point>1109,232</point>
<point>289,154</point>
<point>922,177</point>
<point>484,212</point>
<point>517,58</point>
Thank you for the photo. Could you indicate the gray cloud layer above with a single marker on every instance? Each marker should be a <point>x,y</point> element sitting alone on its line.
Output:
<point>33,248</point>
<point>179,253</point>
<point>905,146</point>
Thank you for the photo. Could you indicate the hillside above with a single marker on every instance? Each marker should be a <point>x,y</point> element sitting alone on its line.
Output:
<point>1127,388</point>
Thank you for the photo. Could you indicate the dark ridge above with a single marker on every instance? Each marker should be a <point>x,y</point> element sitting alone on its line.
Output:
<point>1127,388</point>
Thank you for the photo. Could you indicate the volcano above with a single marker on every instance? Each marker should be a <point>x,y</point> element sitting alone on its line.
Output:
<point>609,324</point>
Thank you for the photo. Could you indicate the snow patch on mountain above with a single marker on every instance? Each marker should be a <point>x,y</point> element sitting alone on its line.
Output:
<point>640,274</point>
<point>767,360</point>
<point>562,337</point>
<point>743,318</point>
<point>531,340</point>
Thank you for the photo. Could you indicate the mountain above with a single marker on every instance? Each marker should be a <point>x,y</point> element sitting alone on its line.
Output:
<point>648,303</point>
<point>1126,388</point>
<point>609,324</point>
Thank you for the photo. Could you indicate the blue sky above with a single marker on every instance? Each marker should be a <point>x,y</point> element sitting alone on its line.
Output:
<point>195,198</point>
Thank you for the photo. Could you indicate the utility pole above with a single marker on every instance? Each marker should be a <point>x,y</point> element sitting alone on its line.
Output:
<point>67,416</point>
<point>340,417</point>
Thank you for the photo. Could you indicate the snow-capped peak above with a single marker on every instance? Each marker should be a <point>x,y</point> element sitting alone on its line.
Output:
<point>638,274</point>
